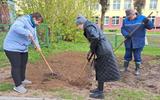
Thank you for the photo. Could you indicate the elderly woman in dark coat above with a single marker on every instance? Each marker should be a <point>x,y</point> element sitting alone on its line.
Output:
<point>106,67</point>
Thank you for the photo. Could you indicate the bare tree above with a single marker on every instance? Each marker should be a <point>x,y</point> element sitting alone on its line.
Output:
<point>104,5</point>
<point>139,5</point>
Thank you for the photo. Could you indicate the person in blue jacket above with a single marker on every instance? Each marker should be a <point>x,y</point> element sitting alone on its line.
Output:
<point>134,43</point>
<point>16,42</point>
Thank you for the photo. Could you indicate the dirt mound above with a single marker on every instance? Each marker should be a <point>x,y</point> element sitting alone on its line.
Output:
<point>68,66</point>
<point>149,78</point>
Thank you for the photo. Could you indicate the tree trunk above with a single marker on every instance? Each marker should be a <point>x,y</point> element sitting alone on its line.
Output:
<point>102,19</point>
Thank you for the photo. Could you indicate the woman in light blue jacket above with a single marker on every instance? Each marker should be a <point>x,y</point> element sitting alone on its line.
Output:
<point>16,43</point>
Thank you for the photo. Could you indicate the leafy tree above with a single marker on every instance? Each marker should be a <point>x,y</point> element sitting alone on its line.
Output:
<point>139,5</point>
<point>59,15</point>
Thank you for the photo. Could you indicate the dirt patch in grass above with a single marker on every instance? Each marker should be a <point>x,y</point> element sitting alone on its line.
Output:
<point>69,66</point>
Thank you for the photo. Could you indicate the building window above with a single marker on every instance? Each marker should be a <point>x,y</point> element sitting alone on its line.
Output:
<point>116,4</point>
<point>97,6</point>
<point>124,17</point>
<point>95,19</point>
<point>115,20</point>
<point>127,4</point>
<point>152,18</point>
<point>106,20</point>
<point>153,4</point>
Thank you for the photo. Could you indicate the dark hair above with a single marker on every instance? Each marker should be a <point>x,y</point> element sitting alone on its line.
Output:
<point>37,16</point>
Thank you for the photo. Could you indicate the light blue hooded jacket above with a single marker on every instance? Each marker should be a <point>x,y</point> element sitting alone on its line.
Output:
<point>17,39</point>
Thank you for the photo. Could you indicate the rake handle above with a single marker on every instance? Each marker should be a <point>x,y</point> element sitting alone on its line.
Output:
<point>42,55</point>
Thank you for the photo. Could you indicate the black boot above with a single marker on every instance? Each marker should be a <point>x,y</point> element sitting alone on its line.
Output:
<point>98,92</point>
<point>94,90</point>
<point>97,95</point>
<point>137,70</point>
<point>125,66</point>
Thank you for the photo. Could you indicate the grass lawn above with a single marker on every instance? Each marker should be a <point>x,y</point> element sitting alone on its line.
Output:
<point>118,31</point>
<point>117,94</point>
<point>5,87</point>
<point>71,46</point>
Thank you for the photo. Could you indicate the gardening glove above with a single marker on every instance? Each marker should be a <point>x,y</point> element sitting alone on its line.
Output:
<point>38,49</point>
<point>127,37</point>
<point>30,36</point>
<point>89,56</point>
<point>145,21</point>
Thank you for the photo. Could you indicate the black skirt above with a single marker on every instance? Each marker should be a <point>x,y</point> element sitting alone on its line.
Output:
<point>106,68</point>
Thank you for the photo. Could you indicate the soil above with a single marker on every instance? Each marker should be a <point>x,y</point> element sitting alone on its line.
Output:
<point>69,67</point>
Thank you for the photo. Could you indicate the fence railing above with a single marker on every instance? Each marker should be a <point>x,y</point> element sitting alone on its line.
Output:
<point>116,38</point>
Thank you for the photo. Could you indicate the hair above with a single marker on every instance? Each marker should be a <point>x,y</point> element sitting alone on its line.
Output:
<point>37,16</point>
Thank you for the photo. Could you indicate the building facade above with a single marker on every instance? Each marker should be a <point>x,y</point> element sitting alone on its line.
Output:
<point>116,13</point>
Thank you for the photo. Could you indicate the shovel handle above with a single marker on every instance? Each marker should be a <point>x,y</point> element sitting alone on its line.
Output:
<point>42,55</point>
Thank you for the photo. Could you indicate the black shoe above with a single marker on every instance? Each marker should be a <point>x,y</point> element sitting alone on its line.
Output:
<point>94,90</point>
<point>125,66</point>
<point>97,95</point>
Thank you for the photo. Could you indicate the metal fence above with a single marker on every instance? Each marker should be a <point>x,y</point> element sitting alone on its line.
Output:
<point>114,38</point>
<point>152,39</point>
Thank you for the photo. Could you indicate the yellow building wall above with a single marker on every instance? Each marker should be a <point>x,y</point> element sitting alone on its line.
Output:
<point>121,12</point>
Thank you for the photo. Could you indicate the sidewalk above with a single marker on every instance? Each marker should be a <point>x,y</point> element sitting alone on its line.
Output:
<point>25,98</point>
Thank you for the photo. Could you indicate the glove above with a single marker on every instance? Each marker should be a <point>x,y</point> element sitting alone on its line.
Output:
<point>89,56</point>
<point>145,21</point>
<point>38,49</point>
<point>127,36</point>
<point>30,36</point>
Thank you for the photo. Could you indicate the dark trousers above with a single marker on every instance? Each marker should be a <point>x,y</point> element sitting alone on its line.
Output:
<point>136,52</point>
<point>18,63</point>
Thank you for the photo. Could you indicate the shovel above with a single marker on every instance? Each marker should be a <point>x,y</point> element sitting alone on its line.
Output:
<point>43,57</point>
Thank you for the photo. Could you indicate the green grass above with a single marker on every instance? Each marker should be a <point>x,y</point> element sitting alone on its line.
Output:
<point>119,31</point>
<point>116,94</point>
<point>5,87</point>
<point>71,46</point>
<point>150,51</point>
<point>66,94</point>
<point>131,94</point>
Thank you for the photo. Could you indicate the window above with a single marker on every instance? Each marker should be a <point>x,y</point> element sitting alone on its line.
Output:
<point>153,4</point>
<point>127,4</point>
<point>115,20</point>
<point>97,6</point>
<point>152,18</point>
<point>95,19</point>
<point>106,20</point>
<point>116,4</point>
<point>94,6</point>
<point>124,17</point>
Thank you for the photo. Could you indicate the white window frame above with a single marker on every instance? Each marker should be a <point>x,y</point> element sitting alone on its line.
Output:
<point>127,4</point>
<point>115,20</point>
<point>153,4</point>
<point>106,20</point>
<point>116,4</point>
<point>152,18</point>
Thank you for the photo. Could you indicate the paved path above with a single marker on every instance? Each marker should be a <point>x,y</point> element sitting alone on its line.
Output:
<point>25,98</point>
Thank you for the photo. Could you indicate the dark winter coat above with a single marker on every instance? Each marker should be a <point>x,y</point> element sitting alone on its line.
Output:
<point>106,67</point>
